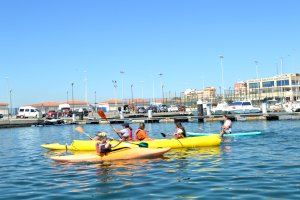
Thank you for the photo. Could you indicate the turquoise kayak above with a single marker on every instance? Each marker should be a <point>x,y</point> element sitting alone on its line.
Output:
<point>191,134</point>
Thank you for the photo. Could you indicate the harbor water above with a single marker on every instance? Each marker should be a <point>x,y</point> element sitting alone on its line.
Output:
<point>265,166</point>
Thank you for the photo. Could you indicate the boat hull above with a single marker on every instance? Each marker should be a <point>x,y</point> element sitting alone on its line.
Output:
<point>124,153</point>
<point>188,142</point>
<point>192,134</point>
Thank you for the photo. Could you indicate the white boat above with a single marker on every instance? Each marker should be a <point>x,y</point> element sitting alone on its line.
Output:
<point>292,106</point>
<point>296,106</point>
<point>242,107</point>
<point>220,108</point>
<point>274,106</point>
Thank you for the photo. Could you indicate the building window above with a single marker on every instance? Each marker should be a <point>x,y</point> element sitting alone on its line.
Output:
<point>253,85</point>
<point>295,82</point>
<point>268,84</point>
<point>283,82</point>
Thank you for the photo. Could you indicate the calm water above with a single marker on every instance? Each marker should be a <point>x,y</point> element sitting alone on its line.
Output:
<point>266,166</point>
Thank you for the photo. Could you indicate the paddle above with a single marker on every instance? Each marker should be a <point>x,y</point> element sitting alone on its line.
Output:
<point>103,116</point>
<point>79,129</point>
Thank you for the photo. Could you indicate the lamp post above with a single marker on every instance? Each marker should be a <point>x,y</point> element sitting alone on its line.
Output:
<point>72,84</point>
<point>256,66</point>
<point>10,103</point>
<point>222,72</point>
<point>153,91</point>
<point>131,87</point>
<point>162,87</point>
<point>95,95</point>
<point>67,96</point>
<point>142,83</point>
<point>163,95</point>
<point>281,63</point>
<point>122,74</point>
<point>115,84</point>
<point>85,87</point>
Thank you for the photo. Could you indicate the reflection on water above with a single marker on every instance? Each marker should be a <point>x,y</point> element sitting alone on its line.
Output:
<point>244,167</point>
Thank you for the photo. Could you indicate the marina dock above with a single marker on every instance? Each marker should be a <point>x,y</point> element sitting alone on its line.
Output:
<point>156,118</point>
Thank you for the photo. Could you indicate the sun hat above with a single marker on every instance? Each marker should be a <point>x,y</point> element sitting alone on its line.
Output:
<point>101,134</point>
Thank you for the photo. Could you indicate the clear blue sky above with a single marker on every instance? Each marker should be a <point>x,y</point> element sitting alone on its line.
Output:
<point>45,45</point>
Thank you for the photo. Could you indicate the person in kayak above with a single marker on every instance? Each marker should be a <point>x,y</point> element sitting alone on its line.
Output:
<point>125,133</point>
<point>103,146</point>
<point>141,133</point>
<point>99,135</point>
<point>226,127</point>
<point>180,131</point>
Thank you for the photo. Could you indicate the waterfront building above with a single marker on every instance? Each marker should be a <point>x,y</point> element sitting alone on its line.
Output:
<point>114,104</point>
<point>207,94</point>
<point>44,107</point>
<point>284,87</point>
<point>3,108</point>
<point>240,91</point>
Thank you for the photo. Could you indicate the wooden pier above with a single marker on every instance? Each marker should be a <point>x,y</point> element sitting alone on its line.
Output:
<point>164,118</point>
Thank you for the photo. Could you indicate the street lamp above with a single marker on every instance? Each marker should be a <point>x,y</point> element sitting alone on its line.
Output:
<point>131,86</point>
<point>256,65</point>
<point>95,94</point>
<point>162,87</point>
<point>85,86</point>
<point>142,83</point>
<point>122,74</point>
<point>72,84</point>
<point>281,63</point>
<point>153,91</point>
<point>10,104</point>
<point>115,84</point>
<point>67,96</point>
<point>222,70</point>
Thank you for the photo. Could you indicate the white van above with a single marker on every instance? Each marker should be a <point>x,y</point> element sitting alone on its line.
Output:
<point>29,111</point>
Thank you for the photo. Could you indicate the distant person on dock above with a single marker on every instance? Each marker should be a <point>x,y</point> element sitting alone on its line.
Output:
<point>226,127</point>
<point>125,133</point>
<point>103,146</point>
<point>141,133</point>
<point>180,131</point>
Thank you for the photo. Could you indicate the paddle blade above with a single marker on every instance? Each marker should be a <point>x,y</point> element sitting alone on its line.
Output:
<point>101,114</point>
<point>164,135</point>
<point>143,145</point>
<point>79,129</point>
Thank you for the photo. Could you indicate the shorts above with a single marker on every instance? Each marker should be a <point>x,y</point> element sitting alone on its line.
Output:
<point>228,131</point>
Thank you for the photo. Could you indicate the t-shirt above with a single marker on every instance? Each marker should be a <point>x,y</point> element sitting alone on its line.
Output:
<point>227,123</point>
<point>179,132</point>
<point>126,133</point>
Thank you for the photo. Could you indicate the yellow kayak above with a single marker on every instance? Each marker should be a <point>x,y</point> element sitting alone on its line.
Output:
<point>90,145</point>
<point>124,153</point>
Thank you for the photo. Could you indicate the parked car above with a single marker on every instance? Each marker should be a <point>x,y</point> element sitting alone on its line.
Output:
<point>173,108</point>
<point>28,111</point>
<point>77,112</point>
<point>141,109</point>
<point>162,108</point>
<point>181,108</point>
<point>153,108</point>
<point>1,116</point>
<point>51,114</point>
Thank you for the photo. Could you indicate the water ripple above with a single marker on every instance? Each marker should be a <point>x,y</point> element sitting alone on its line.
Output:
<point>263,167</point>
